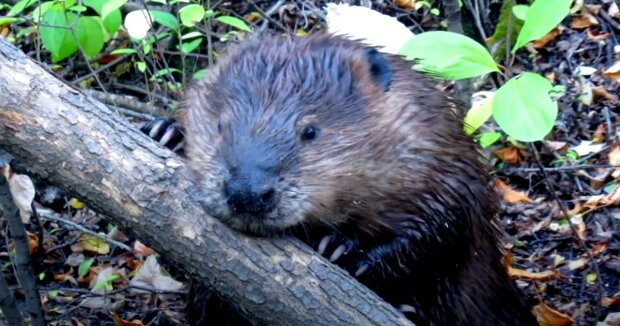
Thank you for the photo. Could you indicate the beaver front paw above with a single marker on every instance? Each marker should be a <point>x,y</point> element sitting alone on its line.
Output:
<point>344,252</point>
<point>165,131</point>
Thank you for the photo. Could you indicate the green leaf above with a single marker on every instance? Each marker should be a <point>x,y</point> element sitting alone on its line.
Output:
<point>20,6</point>
<point>10,20</point>
<point>78,9</point>
<point>85,267</point>
<point>53,293</point>
<point>113,19</point>
<point>191,15</point>
<point>190,46</point>
<point>41,276</point>
<point>141,65</point>
<point>38,12</point>
<point>520,11</point>
<point>124,51</point>
<point>112,278</point>
<point>199,74</point>
<point>163,72</point>
<point>90,33</point>
<point>112,23</point>
<point>489,138</point>
<point>165,19</point>
<point>97,5</point>
<point>99,285</point>
<point>234,22</point>
<point>541,18</point>
<point>191,35</point>
<point>146,47</point>
<point>479,113</point>
<point>59,41</point>
<point>210,13</point>
<point>66,3</point>
<point>523,108</point>
<point>448,55</point>
<point>591,278</point>
<point>110,6</point>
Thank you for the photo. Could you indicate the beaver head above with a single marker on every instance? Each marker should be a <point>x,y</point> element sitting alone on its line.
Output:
<point>286,130</point>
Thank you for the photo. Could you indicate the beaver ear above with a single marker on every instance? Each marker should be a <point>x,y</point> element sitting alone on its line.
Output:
<point>380,70</point>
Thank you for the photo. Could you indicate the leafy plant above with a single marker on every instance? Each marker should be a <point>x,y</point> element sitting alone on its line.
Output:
<point>66,26</point>
<point>107,283</point>
<point>524,107</point>
<point>448,55</point>
<point>85,267</point>
<point>540,19</point>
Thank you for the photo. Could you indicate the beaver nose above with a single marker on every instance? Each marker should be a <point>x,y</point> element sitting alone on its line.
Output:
<point>245,196</point>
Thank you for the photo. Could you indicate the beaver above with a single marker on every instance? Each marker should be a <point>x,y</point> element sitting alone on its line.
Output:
<point>360,157</point>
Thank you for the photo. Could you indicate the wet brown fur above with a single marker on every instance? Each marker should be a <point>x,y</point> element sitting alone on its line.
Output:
<point>390,170</point>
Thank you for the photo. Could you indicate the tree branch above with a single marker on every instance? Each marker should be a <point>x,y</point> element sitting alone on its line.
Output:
<point>58,134</point>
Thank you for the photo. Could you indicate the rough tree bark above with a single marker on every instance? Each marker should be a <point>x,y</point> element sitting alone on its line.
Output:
<point>60,135</point>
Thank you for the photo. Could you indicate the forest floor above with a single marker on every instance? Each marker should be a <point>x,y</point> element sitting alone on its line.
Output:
<point>560,216</point>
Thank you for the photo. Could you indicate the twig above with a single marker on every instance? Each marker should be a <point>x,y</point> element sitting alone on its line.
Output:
<point>126,102</point>
<point>87,292</point>
<point>615,25</point>
<point>266,15</point>
<point>98,70</point>
<point>576,236</point>
<point>22,260</point>
<point>51,215</point>
<point>562,168</point>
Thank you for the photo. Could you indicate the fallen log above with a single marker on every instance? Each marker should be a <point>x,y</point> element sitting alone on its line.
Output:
<point>58,134</point>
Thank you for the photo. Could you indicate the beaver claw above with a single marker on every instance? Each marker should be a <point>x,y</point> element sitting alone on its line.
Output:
<point>165,131</point>
<point>345,253</point>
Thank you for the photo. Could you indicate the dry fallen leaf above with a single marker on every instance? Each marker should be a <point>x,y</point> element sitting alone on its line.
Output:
<point>610,301</point>
<point>93,244</point>
<point>150,276</point>
<point>614,159</point>
<point>33,242</point>
<point>99,301</point>
<point>22,190</point>
<point>117,234</point>
<point>556,145</point>
<point>584,20</point>
<point>118,321</point>
<point>613,10</point>
<point>598,248</point>
<point>532,276</point>
<point>511,154</point>
<point>596,35</point>
<point>599,133</point>
<point>405,4</point>
<point>577,264</point>
<point>66,277</point>
<point>141,250</point>
<point>601,92</point>
<point>546,39</point>
<point>587,147</point>
<point>613,72</point>
<point>511,196</point>
<point>546,316</point>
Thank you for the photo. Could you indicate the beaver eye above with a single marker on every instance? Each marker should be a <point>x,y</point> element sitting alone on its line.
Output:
<point>309,133</point>
<point>219,127</point>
